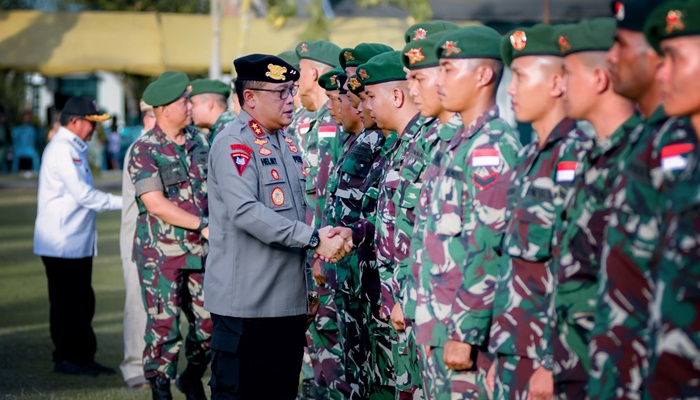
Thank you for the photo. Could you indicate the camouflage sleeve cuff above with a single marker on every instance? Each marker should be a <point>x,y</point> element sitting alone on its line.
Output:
<point>362,231</point>
<point>150,184</point>
<point>473,328</point>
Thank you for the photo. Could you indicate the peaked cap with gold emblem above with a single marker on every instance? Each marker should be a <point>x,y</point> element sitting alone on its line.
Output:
<point>534,41</point>
<point>671,20</point>
<point>322,51</point>
<point>264,68</point>
<point>350,57</point>
<point>475,41</point>
<point>422,30</point>
<point>588,35</point>
<point>419,53</point>
<point>385,67</point>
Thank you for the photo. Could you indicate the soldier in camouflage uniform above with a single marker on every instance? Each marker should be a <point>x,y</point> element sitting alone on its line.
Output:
<point>536,197</point>
<point>168,167</point>
<point>301,118</point>
<point>579,236</point>
<point>466,215</point>
<point>209,100</point>
<point>628,266</point>
<point>423,71</point>
<point>673,28</point>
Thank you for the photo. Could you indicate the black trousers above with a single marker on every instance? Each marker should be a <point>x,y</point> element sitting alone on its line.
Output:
<point>72,303</point>
<point>256,358</point>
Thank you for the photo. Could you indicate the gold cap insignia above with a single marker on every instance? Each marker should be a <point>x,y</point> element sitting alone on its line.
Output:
<point>451,48</point>
<point>354,83</point>
<point>619,9</point>
<point>334,80</point>
<point>415,56</point>
<point>363,74</point>
<point>674,21</point>
<point>564,45</point>
<point>275,72</point>
<point>348,56</point>
<point>420,34</point>
<point>518,40</point>
<point>304,48</point>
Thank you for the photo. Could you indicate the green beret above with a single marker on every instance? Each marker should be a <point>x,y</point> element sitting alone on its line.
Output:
<point>355,85</point>
<point>385,67</point>
<point>476,41</point>
<point>329,80</point>
<point>422,30</point>
<point>534,41</point>
<point>631,14</point>
<point>419,54</point>
<point>200,86</point>
<point>168,87</point>
<point>290,57</point>
<point>320,50</point>
<point>264,68</point>
<point>588,35</point>
<point>361,54</point>
<point>672,19</point>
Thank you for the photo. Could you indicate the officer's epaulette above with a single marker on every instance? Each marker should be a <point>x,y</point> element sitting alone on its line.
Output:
<point>256,128</point>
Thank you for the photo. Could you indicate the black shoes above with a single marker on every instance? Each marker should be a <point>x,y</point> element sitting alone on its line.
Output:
<point>191,387</point>
<point>91,368</point>
<point>160,388</point>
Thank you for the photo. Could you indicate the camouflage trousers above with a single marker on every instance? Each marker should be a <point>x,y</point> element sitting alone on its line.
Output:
<point>409,385</point>
<point>355,345</point>
<point>380,360</point>
<point>512,379</point>
<point>441,383</point>
<point>570,342</point>
<point>167,292</point>
<point>327,351</point>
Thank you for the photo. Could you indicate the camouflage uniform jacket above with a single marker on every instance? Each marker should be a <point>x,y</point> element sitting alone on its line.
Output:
<point>536,199</point>
<point>181,174</point>
<point>386,214</point>
<point>434,152</point>
<point>224,119</point>
<point>631,251</point>
<point>301,121</point>
<point>674,369</point>
<point>405,201</point>
<point>467,216</point>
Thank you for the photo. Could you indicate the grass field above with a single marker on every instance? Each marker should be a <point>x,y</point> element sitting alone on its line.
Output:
<point>25,344</point>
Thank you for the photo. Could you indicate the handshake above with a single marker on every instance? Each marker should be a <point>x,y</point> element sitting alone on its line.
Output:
<point>335,243</point>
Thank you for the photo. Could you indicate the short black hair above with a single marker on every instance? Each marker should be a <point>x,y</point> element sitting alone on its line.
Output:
<point>65,119</point>
<point>241,85</point>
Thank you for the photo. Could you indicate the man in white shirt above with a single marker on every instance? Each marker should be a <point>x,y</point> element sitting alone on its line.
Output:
<point>66,239</point>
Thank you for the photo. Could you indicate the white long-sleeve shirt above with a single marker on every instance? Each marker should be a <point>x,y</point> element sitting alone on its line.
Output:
<point>67,201</point>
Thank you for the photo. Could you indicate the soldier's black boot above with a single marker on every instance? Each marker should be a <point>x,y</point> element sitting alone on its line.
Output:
<point>190,382</point>
<point>160,387</point>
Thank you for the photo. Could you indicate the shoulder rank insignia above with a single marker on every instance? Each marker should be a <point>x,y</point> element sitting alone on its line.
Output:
<point>363,74</point>
<point>674,21</point>
<point>348,56</point>
<point>419,34</point>
<point>564,45</point>
<point>275,72</point>
<point>415,56</point>
<point>450,48</point>
<point>518,40</point>
<point>255,126</point>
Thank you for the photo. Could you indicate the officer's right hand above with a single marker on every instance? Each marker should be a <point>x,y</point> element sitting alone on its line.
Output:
<point>331,248</point>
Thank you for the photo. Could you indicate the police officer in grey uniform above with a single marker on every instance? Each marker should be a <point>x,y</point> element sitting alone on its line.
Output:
<point>255,282</point>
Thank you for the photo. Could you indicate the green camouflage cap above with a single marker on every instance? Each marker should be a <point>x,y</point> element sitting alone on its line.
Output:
<point>422,30</point>
<point>534,41</point>
<point>631,14</point>
<point>385,67</point>
<point>420,54</point>
<point>476,41</point>
<point>168,87</point>
<point>588,35</point>
<point>350,57</point>
<point>672,19</point>
<point>290,57</point>
<point>199,86</point>
<point>329,80</point>
<point>355,85</point>
<point>320,50</point>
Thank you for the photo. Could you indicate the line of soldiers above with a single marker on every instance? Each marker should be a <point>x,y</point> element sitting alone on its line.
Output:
<point>485,269</point>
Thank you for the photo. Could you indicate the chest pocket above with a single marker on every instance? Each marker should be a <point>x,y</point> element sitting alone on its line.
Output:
<point>173,176</point>
<point>201,157</point>
<point>276,190</point>
<point>358,162</point>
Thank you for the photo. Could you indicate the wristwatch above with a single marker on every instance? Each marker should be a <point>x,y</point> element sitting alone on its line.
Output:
<point>203,223</point>
<point>314,241</point>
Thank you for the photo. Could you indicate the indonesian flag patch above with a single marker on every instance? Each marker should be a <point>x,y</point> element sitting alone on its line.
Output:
<point>566,171</point>
<point>326,131</point>
<point>77,160</point>
<point>304,128</point>
<point>673,156</point>
<point>485,158</point>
